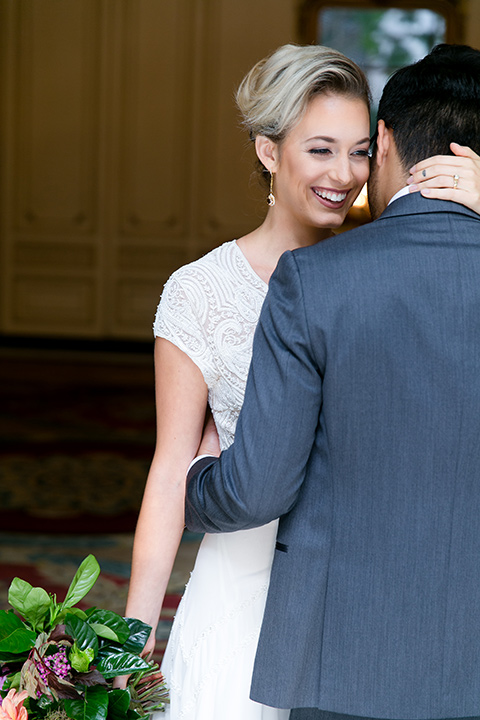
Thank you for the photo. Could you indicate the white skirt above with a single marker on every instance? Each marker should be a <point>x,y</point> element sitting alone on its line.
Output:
<point>208,662</point>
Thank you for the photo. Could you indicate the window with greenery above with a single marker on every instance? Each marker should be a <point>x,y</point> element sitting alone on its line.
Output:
<point>381,36</point>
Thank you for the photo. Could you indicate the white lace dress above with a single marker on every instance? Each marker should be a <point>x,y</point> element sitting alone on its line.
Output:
<point>209,309</point>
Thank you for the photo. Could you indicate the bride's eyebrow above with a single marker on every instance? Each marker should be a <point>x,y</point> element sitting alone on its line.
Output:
<point>324,138</point>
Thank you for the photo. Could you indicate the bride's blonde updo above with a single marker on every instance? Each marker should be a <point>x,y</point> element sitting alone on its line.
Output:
<point>273,96</point>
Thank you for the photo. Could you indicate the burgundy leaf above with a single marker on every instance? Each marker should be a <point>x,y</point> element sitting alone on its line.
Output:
<point>92,677</point>
<point>61,688</point>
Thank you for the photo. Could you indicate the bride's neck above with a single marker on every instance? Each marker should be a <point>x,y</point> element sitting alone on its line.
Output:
<point>264,245</point>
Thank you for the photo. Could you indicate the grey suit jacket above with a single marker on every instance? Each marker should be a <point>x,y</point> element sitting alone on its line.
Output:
<point>361,429</point>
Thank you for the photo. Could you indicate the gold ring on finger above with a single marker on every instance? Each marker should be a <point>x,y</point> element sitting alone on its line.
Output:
<point>456,178</point>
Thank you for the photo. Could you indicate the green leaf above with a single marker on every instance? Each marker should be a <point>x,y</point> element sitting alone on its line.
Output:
<point>93,707</point>
<point>139,634</point>
<point>104,632</point>
<point>14,636</point>
<point>81,632</point>
<point>109,622</point>
<point>85,578</point>
<point>12,681</point>
<point>18,592</point>
<point>70,611</point>
<point>80,659</point>
<point>12,658</point>
<point>118,704</point>
<point>121,663</point>
<point>33,603</point>
<point>38,607</point>
<point>8,620</point>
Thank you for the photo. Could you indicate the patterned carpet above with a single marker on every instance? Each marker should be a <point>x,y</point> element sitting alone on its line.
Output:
<point>77,434</point>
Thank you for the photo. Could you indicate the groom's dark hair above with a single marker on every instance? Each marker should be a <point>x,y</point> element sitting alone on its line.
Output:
<point>434,102</point>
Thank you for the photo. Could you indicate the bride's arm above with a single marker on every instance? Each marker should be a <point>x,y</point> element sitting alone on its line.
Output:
<point>181,400</point>
<point>435,177</point>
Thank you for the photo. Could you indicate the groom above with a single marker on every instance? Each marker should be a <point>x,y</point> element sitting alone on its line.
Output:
<point>361,430</point>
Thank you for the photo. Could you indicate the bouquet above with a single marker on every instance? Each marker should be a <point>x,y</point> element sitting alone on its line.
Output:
<point>58,661</point>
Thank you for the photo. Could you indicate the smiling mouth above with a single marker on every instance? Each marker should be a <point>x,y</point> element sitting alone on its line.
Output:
<point>330,195</point>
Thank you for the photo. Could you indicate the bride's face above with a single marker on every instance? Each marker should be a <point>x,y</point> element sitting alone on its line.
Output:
<point>323,163</point>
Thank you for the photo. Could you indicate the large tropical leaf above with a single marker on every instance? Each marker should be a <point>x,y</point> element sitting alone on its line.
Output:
<point>109,625</point>
<point>119,706</point>
<point>82,633</point>
<point>94,707</point>
<point>139,634</point>
<point>122,663</point>
<point>14,636</point>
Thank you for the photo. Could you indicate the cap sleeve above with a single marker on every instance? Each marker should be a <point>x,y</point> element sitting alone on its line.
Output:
<point>177,320</point>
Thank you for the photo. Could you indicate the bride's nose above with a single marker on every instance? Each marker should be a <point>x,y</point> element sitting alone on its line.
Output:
<point>341,171</point>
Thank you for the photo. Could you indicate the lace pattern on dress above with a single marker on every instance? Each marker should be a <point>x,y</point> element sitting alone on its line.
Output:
<point>209,309</point>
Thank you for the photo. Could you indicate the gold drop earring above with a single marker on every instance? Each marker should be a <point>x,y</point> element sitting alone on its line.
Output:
<point>271,196</point>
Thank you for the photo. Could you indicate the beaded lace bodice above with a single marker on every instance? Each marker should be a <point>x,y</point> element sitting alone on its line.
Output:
<point>209,309</point>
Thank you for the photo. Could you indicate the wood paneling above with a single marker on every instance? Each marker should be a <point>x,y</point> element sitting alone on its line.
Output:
<point>40,301</point>
<point>154,116</point>
<point>153,182</point>
<point>56,116</point>
<point>230,199</point>
<point>471,22</point>
<point>122,151</point>
<point>49,230</point>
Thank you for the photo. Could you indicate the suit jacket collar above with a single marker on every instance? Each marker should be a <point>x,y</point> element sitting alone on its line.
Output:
<point>416,204</point>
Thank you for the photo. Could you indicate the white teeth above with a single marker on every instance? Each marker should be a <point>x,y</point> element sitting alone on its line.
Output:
<point>334,197</point>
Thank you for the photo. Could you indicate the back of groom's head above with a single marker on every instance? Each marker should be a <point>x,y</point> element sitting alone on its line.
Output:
<point>434,102</point>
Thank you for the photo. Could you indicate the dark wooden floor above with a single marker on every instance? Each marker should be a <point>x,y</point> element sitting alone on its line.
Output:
<point>64,364</point>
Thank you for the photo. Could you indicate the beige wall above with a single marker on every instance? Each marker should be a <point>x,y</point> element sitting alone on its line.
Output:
<point>121,155</point>
<point>471,9</point>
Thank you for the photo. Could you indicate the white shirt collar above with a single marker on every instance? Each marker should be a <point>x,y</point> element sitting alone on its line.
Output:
<point>404,191</point>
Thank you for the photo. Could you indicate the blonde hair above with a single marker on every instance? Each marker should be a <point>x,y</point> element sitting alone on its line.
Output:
<point>273,96</point>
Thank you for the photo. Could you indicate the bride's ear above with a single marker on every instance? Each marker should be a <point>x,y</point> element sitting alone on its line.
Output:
<point>267,152</point>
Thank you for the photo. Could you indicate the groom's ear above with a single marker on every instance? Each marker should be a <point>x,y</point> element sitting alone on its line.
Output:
<point>383,143</point>
<point>267,152</point>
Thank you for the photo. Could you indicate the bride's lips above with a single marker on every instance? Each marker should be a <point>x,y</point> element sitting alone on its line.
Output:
<point>330,198</point>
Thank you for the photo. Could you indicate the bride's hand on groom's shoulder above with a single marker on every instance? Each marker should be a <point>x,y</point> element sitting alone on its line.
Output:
<point>449,177</point>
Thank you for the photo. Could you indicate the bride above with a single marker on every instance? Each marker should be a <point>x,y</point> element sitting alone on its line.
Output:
<point>307,110</point>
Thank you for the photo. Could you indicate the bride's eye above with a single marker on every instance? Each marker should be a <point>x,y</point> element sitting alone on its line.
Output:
<point>319,151</point>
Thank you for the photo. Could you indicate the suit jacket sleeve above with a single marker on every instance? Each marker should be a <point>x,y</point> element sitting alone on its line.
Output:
<point>258,478</point>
